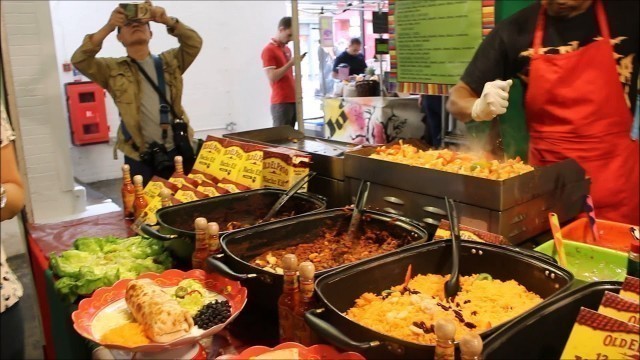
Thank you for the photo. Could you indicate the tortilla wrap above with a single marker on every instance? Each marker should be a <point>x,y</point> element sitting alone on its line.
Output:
<point>161,317</point>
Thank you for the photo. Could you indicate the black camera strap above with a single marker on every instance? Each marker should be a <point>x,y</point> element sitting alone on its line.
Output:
<point>160,88</point>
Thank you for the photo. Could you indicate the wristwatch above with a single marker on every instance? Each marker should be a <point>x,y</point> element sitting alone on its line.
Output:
<point>3,197</point>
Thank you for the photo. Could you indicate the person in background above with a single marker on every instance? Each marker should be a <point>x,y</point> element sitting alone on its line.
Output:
<point>635,128</point>
<point>352,57</point>
<point>11,203</point>
<point>325,62</point>
<point>431,107</point>
<point>578,62</point>
<point>138,102</point>
<point>278,65</point>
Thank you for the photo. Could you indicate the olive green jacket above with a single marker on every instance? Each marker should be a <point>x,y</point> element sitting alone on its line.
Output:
<point>119,76</point>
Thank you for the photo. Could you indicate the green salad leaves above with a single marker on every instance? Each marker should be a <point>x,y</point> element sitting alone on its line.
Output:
<point>96,262</point>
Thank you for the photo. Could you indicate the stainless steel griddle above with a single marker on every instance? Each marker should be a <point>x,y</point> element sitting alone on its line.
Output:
<point>515,208</point>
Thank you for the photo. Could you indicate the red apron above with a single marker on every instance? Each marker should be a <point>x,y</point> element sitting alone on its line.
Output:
<point>575,108</point>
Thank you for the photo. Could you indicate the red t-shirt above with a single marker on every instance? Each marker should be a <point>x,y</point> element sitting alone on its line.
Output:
<point>276,55</point>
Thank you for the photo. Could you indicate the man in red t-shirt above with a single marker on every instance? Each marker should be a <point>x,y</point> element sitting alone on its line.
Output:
<point>278,64</point>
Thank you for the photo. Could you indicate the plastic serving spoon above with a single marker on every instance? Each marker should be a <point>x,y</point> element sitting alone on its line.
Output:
<point>361,200</point>
<point>591,213</point>
<point>452,286</point>
<point>283,199</point>
<point>558,240</point>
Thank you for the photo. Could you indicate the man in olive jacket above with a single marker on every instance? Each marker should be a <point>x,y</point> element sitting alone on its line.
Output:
<point>136,99</point>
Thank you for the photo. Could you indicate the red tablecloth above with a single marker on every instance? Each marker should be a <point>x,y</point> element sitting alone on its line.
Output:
<point>43,239</point>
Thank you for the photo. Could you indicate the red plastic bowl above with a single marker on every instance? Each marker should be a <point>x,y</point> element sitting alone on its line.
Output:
<point>613,235</point>
<point>315,352</point>
<point>103,297</point>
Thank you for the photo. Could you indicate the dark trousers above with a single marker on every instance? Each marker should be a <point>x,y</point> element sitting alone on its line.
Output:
<point>12,337</point>
<point>284,114</point>
<point>147,171</point>
<point>432,119</point>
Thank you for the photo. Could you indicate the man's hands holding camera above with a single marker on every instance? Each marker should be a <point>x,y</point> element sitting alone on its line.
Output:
<point>118,18</point>
<point>157,14</point>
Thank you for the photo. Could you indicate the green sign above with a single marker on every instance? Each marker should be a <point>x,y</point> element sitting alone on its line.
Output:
<point>436,39</point>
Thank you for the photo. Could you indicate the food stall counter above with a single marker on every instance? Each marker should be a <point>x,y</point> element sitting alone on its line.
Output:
<point>61,341</point>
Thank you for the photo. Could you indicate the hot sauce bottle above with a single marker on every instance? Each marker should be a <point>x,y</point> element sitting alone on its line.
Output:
<point>139,203</point>
<point>128,192</point>
<point>179,169</point>
<point>303,333</point>
<point>445,330</point>
<point>165,197</point>
<point>471,347</point>
<point>179,178</point>
<point>201,251</point>
<point>213,231</point>
<point>289,298</point>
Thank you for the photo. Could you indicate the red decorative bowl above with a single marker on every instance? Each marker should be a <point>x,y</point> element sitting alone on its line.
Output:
<point>110,297</point>
<point>315,352</point>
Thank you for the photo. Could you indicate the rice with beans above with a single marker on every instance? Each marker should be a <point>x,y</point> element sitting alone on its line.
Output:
<point>410,313</point>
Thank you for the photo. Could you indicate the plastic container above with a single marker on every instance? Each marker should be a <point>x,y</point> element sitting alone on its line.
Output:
<point>590,263</point>
<point>613,235</point>
<point>543,332</point>
<point>368,88</point>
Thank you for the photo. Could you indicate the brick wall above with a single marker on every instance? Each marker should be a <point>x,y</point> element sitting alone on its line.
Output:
<point>42,124</point>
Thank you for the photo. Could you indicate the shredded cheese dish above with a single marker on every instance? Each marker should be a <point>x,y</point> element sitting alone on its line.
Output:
<point>129,335</point>
<point>452,161</point>
<point>410,312</point>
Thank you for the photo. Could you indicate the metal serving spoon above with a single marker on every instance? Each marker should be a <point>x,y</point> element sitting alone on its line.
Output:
<point>283,199</point>
<point>361,199</point>
<point>452,286</point>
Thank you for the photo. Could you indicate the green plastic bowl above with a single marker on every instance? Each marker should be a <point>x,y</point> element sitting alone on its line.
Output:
<point>588,262</point>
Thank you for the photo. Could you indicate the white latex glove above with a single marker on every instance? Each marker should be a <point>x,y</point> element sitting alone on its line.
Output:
<point>493,101</point>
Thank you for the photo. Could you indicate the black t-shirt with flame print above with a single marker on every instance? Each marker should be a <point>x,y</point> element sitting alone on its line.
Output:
<point>506,51</point>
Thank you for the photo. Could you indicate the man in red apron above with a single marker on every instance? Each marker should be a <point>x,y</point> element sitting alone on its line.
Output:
<point>580,78</point>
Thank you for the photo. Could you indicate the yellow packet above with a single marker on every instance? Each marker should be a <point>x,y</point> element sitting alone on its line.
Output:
<point>211,189</point>
<point>282,167</point>
<point>231,162</point>
<point>210,154</point>
<point>597,336</point>
<point>199,176</point>
<point>250,173</point>
<point>619,308</point>
<point>187,194</point>
<point>232,186</point>
<point>155,185</point>
<point>148,216</point>
<point>630,288</point>
<point>182,180</point>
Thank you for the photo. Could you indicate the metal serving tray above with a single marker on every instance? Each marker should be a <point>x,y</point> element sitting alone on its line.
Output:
<point>516,224</point>
<point>498,195</point>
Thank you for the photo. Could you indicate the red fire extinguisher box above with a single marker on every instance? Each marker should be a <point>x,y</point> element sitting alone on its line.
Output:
<point>87,113</point>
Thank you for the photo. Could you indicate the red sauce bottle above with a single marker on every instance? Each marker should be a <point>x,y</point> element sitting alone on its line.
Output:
<point>445,330</point>
<point>213,232</point>
<point>303,333</point>
<point>179,169</point>
<point>289,298</point>
<point>201,251</point>
<point>128,192</point>
<point>471,347</point>
<point>165,197</point>
<point>139,203</point>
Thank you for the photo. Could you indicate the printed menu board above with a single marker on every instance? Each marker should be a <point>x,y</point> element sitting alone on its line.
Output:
<point>436,39</point>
